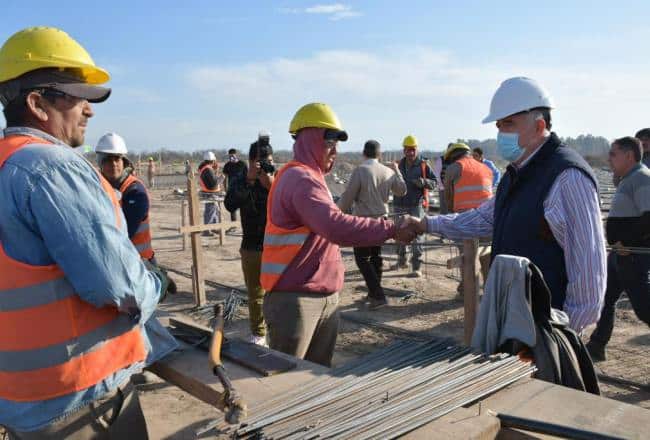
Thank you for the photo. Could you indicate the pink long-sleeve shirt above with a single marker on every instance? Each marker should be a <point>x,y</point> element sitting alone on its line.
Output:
<point>301,199</point>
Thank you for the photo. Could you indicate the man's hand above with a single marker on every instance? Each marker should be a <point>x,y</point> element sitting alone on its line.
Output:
<point>407,229</point>
<point>265,179</point>
<point>395,167</point>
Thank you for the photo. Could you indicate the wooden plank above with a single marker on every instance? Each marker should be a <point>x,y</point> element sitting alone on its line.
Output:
<point>190,370</point>
<point>195,239</point>
<point>193,384</point>
<point>207,227</point>
<point>259,359</point>
<point>470,287</point>
<point>183,223</point>
<point>547,402</point>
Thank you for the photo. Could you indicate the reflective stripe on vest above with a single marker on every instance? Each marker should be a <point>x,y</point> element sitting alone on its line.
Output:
<point>52,343</point>
<point>280,245</point>
<point>474,186</point>
<point>203,186</point>
<point>142,237</point>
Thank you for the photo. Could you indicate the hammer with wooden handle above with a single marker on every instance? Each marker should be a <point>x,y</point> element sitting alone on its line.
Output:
<point>235,407</point>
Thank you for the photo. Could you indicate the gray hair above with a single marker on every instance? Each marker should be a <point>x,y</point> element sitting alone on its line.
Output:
<point>543,113</point>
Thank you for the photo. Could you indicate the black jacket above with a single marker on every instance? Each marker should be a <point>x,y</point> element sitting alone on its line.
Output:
<point>251,202</point>
<point>559,354</point>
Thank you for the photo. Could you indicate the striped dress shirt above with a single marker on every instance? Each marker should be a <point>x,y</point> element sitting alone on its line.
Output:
<point>572,211</point>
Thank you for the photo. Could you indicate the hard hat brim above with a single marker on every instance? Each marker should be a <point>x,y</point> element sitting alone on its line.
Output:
<point>94,94</point>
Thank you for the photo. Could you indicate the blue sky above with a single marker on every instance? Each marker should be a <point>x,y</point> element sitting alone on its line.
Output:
<point>209,74</point>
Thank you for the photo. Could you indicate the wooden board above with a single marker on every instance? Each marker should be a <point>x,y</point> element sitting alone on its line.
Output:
<point>195,240</point>
<point>543,401</point>
<point>190,371</point>
<point>259,359</point>
<point>470,287</point>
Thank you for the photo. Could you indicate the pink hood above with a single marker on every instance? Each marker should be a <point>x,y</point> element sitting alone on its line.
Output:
<point>310,147</point>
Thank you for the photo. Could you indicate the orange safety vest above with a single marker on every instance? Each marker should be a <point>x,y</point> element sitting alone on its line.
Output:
<point>204,188</point>
<point>425,200</point>
<point>142,237</point>
<point>52,342</point>
<point>474,186</point>
<point>280,245</point>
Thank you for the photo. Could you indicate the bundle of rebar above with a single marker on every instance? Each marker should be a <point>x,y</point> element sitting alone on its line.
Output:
<point>384,395</point>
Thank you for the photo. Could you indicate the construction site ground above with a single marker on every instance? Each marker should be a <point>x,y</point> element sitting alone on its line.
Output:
<point>419,307</point>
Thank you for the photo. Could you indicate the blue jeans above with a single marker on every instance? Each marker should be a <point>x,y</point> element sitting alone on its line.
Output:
<point>211,213</point>
<point>416,246</point>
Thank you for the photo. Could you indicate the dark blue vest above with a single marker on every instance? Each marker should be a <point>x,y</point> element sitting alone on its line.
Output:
<point>519,224</point>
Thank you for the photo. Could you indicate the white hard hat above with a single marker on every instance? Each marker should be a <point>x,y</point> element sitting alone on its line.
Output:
<point>516,95</point>
<point>111,143</point>
<point>263,134</point>
<point>209,155</point>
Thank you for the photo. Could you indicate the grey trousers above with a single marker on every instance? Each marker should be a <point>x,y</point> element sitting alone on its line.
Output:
<point>304,325</point>
<point>416,246</point>
<point>116,416</point>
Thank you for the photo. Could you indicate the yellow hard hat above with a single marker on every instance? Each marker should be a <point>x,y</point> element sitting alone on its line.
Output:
<point>316,115</point>
<point>410,141</point>
<point>46,47</point>
<point>455,147</point>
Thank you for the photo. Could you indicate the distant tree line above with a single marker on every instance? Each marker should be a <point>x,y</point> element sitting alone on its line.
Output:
<point>594,148</point>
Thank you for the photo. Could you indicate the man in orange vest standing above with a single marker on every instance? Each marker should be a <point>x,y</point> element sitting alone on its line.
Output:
<point>116,167</point>
<point>419,179</point>
<point>468,183</point>
<point>76,300</point>
<point>210,184</point>
<point>302,270</point>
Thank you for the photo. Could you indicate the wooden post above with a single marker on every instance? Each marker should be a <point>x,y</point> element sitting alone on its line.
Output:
<point>195,240</point>
<point>221,230</point>
<point>183,221</point>
<point>470,286</point>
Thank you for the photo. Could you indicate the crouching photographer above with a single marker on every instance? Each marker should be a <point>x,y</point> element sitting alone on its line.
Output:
<point>249,194</point>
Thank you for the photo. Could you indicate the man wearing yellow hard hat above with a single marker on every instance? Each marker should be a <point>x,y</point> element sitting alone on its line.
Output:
<point>468,182</point>
<point>419,179</point>
<point>76,300</point>
<point>302,271</point>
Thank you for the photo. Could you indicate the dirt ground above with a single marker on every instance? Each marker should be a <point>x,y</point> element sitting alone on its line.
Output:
<point>418,307</point>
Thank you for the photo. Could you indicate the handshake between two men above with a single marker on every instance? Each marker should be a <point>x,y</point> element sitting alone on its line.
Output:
<point>409,227</point>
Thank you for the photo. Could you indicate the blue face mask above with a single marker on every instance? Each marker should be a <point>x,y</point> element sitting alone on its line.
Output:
<point>508,146</point>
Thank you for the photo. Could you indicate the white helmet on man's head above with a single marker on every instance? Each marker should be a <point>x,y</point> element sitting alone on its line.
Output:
<point>209,155</point>
<point>263,134</point>
<point>111,143</point>
<point>517,95</point>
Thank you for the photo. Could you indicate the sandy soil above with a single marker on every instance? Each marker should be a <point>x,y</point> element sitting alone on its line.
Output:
<point>421,307</point>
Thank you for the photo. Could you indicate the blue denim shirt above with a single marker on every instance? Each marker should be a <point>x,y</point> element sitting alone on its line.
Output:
<point>53,210</point>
